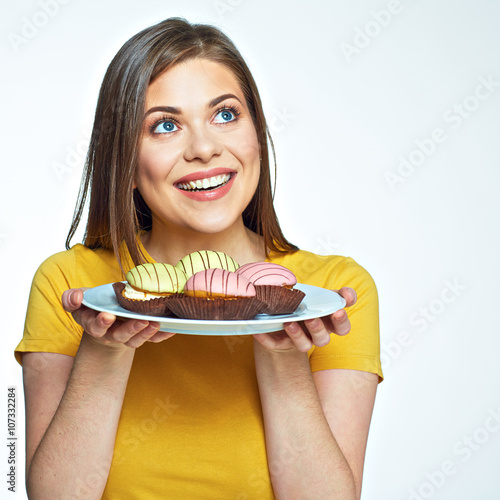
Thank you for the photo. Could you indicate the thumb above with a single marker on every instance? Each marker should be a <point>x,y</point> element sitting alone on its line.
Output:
<point>72,299</point>
<point>349,294</point>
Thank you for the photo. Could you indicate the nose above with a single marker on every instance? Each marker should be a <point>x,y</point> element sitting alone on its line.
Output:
<point>202,145</point>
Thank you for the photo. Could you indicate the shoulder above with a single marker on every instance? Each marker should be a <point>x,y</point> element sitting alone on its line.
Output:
<point>48,327</point>
<point>79,266</point>
<point>56,266</point>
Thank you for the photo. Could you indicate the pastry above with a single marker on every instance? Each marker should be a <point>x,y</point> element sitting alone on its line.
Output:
<point>217,294</point>
<point>274,286</point>
<point>206,259</point>
<point>149,287</point>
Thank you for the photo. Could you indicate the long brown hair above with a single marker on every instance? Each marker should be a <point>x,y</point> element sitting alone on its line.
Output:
<point>117,212</point>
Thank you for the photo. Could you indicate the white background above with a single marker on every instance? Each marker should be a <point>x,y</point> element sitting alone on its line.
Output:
<point>344,108</point>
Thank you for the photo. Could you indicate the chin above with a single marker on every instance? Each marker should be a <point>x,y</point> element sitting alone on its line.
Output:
<point>211,225</point>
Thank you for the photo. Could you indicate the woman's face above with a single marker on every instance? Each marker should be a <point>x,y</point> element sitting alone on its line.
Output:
<point>199,161</point>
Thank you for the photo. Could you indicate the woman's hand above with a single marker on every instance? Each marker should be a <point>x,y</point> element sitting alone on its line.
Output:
<point>303,335</point>
<point>105,329</point>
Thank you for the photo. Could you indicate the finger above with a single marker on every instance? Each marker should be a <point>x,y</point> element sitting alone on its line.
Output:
<point>122,332</point>
<point>262,338</point>
<point>275,340</point>
<point>94,323</point>
<point>160,336</point>
<point>143,336</point>
<point>340,323</point>
<point>298,336</point>
<point>349,294</point>
<point>320,336</point>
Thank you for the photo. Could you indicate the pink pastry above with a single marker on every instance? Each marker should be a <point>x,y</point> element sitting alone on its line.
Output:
<point>267,273</point>
<point>216,294</point>
<point>218,283</point>
<point>274,286</point>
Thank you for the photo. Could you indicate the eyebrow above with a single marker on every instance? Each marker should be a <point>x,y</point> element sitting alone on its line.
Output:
<point>221,98</point>
<point>177,111</point>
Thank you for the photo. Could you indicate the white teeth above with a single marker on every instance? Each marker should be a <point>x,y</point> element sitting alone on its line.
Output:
<point>209,182</point>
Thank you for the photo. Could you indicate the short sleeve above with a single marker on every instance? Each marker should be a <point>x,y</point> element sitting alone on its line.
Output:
<point>48,327</point>
<point>360,348</point>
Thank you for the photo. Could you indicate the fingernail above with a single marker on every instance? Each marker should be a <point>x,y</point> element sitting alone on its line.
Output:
<point>139,325</point>
<point>313,323</point>
<point>340,315</point>
<point>107,320</point>
<point>292,327</point>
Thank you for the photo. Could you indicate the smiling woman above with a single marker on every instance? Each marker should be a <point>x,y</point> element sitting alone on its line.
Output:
<point>178,163</point>
<point>130,101</point>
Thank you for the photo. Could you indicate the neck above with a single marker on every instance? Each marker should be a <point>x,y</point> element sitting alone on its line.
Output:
<point>166,244</point>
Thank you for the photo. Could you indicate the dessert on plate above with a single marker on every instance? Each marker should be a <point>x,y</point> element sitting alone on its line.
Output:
<point>217,294</point>
<point>149,287</point>
<point>209,285</point>
<point>206,259</point>
<point>274,286</point>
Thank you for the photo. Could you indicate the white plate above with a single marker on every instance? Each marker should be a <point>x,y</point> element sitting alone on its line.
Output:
<point>317,302</point>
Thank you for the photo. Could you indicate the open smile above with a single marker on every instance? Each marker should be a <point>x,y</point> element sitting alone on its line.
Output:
<point>206,184</point>
<point>209,185</point>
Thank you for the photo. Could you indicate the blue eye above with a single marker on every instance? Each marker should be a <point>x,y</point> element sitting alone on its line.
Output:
<point>165,127</point>
<point>224,116</point>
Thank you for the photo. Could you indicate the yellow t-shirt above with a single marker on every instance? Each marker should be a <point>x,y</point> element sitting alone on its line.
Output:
<point>191,424</point>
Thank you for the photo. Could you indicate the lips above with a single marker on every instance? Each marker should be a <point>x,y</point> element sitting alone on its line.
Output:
<point>206,185</point>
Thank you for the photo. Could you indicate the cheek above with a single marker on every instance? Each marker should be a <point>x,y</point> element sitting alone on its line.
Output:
<point>152,165</point>
<point>246,147</point>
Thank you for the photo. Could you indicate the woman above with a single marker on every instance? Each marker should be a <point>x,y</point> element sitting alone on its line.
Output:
<point>117,409</point>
